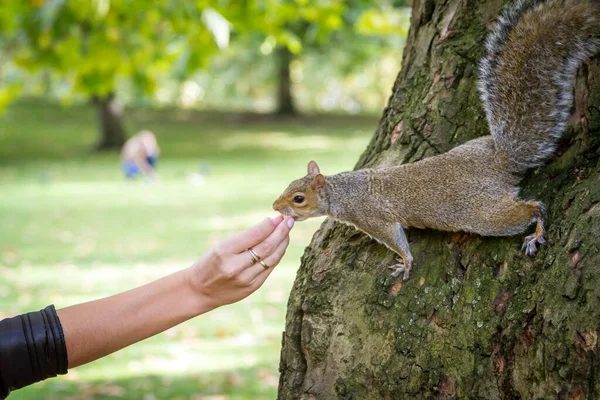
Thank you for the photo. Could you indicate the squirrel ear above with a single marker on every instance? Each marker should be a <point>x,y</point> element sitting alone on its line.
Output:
<point>313,168</point>
<point>318,182</point>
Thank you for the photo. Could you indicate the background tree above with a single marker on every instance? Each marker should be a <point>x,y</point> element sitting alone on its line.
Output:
<point>477,319</point>
<point>290,29</point>
<point>96,45</point>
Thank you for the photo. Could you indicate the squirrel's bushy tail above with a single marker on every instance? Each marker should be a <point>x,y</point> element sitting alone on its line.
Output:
<point>526,78</point>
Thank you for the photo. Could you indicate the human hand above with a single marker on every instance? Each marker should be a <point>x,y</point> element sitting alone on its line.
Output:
<point>226,273</point>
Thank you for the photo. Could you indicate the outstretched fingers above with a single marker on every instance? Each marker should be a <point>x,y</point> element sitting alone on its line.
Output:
<point>268,246</point>
<point>252,236</point>
<point>269,251</point>
<point>261,273</point>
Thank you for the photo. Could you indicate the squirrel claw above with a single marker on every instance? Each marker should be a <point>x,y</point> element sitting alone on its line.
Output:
<point>397,269</point>
<point>400,268</point>
<point>529,244</point>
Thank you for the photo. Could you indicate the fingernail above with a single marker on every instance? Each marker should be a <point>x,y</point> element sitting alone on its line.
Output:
<point>290,222</point>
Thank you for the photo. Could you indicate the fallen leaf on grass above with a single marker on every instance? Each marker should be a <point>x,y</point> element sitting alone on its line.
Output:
<point>234,379</point>
<point>24,300</point>
<point>189,332</point>
<point>65,236</point>
<point>73,375</point>
<point>271,312</point>
<point>87,390</point>
<point>276,296</point>
<point>9,255</point>
<point>250,360</point>
<point>171,333</point>
<point>221,333</point>
<point>246,339</point>
<point>110,390</point>
<point>267,377</point>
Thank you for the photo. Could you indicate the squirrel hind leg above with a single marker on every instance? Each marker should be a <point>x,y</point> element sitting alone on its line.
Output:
<point>530,242</point>
<point>512,216</point>
<point>402,248</point>
<point>403,267</point>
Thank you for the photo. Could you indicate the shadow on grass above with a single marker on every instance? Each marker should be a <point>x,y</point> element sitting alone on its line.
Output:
<point>256,383</point>
<point>34,130</point>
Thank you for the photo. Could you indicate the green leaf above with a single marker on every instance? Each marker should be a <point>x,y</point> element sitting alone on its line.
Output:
<point>49,12</point>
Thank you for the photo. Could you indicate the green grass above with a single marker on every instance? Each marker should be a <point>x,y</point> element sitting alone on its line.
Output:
<point>72,230</point>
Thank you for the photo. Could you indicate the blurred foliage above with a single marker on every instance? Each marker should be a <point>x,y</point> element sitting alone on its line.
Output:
<point>91,43</point>
<point>198,53</point>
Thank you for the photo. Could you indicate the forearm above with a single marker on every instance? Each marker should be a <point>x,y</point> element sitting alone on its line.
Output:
<point>97,328</point>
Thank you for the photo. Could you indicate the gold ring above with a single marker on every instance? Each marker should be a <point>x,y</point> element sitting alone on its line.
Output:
<point>255,257</point>
<point>265,266</point>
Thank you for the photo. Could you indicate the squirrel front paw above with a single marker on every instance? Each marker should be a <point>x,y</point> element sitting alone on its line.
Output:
<point>399,268</point>
<point>529,243</point>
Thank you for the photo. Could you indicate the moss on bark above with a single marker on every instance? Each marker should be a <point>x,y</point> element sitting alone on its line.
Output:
<point>477,319</point>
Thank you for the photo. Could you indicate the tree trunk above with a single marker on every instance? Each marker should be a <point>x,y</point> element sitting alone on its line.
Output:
<point>477,318</point>
<point>285,101</point>
<point>110,117</point>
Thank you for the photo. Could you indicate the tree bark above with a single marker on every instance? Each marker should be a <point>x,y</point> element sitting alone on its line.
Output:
<point>110,118</point>
<point>477,319</point>
<point>285,100</point>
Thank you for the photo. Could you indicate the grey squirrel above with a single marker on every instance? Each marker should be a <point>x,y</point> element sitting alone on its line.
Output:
<point>526,84</point>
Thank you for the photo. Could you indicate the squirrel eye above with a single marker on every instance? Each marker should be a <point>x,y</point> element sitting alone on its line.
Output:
<point>298,199</point>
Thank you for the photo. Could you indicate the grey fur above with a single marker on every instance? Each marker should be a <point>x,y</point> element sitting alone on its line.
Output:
<point>523,129</point>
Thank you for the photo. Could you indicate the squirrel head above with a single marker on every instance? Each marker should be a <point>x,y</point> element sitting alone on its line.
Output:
<point>305,197</point>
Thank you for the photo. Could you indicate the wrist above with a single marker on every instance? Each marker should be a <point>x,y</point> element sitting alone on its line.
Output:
<point>200,301</point>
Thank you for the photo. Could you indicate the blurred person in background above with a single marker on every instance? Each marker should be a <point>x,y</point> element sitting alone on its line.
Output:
<point>139,155</point>
<point>40,345</point>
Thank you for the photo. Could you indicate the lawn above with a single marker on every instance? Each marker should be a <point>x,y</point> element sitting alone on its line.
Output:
<point>72,230</point>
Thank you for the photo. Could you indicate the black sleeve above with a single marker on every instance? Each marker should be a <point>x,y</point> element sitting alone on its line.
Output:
<point>32,348</point>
